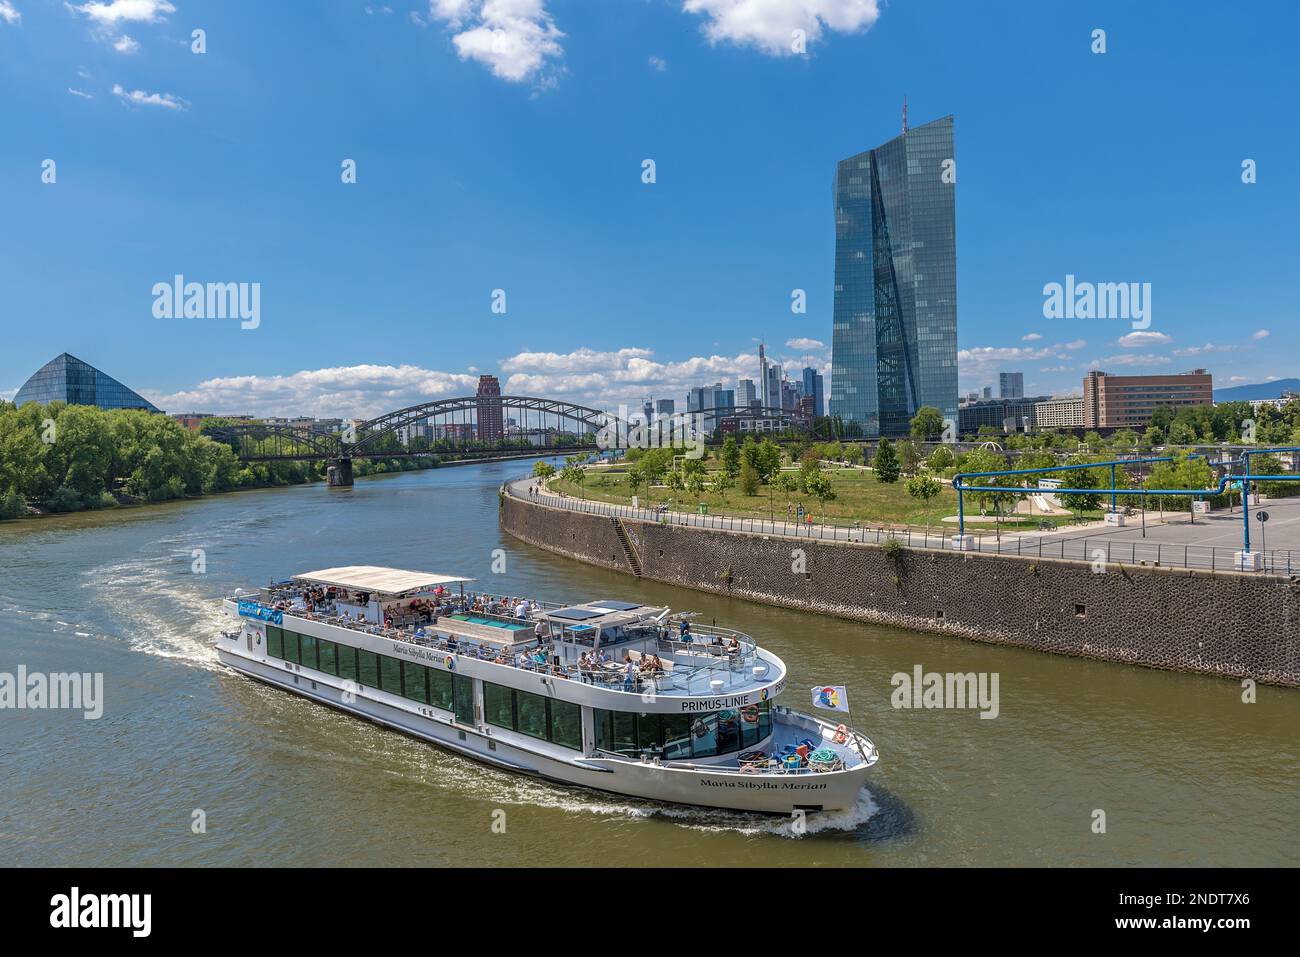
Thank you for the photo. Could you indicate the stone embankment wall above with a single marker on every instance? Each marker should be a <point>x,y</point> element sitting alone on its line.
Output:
<point>1226,624</point>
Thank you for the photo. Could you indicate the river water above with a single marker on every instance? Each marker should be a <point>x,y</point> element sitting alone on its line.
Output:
<point>1184,771</point>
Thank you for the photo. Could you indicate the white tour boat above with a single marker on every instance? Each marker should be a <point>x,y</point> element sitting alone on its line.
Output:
<point>605,694</point>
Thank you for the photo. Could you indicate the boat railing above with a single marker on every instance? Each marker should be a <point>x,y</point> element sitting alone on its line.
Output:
<point>695,665</point>
<point>649,756</point>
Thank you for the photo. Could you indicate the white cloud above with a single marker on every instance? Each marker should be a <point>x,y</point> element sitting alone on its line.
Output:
<point>124,44</point>
<point>9,13</point>
<point>1075,345</point>
<point>516,39</point>
<point>1209,347</point>
<point>658,63</point>
<point>1260,334</point>
<point>805,344</point>
<point>362,391</point>
<point>141,98</point>
<point>82,94</point>
<point>1130,359</point>
<point>770,25</point>
<point>1032,337</point>
<point>1055,369</point>
<point>1137,340</point>
<point>124,11</point>
<point>625,376</point>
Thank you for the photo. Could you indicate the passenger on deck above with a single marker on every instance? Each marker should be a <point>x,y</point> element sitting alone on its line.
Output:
<point>656,665</point>
<point>629,673</point>
<point>685,633</point>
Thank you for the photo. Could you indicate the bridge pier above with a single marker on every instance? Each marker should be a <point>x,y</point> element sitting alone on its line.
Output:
<point>338,473</point>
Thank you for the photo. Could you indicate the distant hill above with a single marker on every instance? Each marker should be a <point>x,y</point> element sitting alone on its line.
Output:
<point>1264,390</point>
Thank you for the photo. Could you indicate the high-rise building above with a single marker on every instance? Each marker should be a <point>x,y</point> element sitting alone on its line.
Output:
<point>789,395</point>
<point>491,425</point>
<point>65,378</point>
<point>1127,401</point>
<point>648,409</point>
<point>813,385</point>
<point>894,338</point>
<point>746,394</point>
<point>1011,385</point>
<point>775,376</point>
<point>665,407</point>
<point>987,393</point>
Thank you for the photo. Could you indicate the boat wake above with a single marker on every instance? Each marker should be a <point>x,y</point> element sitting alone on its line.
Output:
<point>155,613</point>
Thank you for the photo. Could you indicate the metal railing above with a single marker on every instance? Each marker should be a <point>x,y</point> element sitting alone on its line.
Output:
<point>1085,548</point>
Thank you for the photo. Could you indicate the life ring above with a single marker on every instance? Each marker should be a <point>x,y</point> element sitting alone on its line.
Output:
<point>841,735</point>
<point>699,729</point>
<point>749,713</point>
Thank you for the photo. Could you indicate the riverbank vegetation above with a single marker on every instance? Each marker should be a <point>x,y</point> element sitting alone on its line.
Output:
<point>64,458</point>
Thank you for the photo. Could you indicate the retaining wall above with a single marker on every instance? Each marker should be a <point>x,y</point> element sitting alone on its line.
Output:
<point>1229,624</point>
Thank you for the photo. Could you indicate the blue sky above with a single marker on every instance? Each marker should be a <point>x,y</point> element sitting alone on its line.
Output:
<point>499,145</point>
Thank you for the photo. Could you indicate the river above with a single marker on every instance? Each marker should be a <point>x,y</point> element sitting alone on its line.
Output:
<point>1184,771</point>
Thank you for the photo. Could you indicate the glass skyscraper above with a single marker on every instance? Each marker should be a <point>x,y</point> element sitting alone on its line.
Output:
<point>67,379</point>
<point>894,338</point>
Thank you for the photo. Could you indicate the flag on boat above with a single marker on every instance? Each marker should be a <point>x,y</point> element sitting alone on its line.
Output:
<point>831,697</point>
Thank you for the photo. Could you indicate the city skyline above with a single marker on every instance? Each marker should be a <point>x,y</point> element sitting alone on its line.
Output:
<point>172,163</point>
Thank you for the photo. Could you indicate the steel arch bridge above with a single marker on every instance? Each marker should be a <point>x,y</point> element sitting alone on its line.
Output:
<point>519,425</point>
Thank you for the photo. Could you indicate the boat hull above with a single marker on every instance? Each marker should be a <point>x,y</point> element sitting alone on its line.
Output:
<point>763,793</point>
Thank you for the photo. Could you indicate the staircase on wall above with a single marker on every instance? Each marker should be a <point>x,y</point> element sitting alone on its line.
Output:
<point>629,553</point>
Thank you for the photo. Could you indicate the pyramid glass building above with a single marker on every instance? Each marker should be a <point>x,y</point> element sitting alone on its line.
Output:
<point>67,379</point>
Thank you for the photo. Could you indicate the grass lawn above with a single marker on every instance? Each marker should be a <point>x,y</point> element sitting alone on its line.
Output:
<point>859,497</point>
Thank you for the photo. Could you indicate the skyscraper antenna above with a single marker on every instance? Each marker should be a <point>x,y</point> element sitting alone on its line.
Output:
<point>904,112</point>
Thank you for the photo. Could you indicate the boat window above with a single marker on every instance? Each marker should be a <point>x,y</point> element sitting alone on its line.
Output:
<point>390,674</point>
<point>348,662</point>
<point>368,668</point>
<point>532,714</point>
<point>616,732</point>
<point>749,716</point>
<point>649,732</point>
<point>704,735</point>
<point>440,689</point>
<point>274,641</point>
<point>291,646</point>
<point>498,705</point>
<point>566,724</point>
<point>462,690</point>
<point>728,731</point>
<point>307,645</point>
<point>328,656</point>
<point>677,736</point>
<point>414,684</point>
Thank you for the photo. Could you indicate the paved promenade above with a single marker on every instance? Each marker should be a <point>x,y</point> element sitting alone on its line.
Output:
<point>1209,543</point>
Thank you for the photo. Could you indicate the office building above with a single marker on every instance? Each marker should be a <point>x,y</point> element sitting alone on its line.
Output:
<point>813,386</point>
<point>1127,401</point>
<point>1011,385</point>
<point>1005,415</point>
<point>665,407</point>
<point>746,394</point>
<point>894,338</point>
<point>491,425</point>
<point>1060,413</point>
<point>65,378</point>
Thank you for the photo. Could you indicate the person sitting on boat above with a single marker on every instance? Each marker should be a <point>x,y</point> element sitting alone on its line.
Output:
<point>685,634</point>
<point>733,646</point>
<point>539,657</point>
<point>656,665</point>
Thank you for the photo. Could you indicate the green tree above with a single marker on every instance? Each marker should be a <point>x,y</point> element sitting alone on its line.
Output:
<point>543,470</point>
<point>885,463</point>
<point>730,456</point>
<point>749,479</point>
<point>909,456</point>
<point>941,458</point>
<point>820,487</point>
<point>927,423</point>
<point>924,487</point>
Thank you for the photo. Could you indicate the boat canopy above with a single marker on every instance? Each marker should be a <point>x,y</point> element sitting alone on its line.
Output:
<point>380,580</point>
